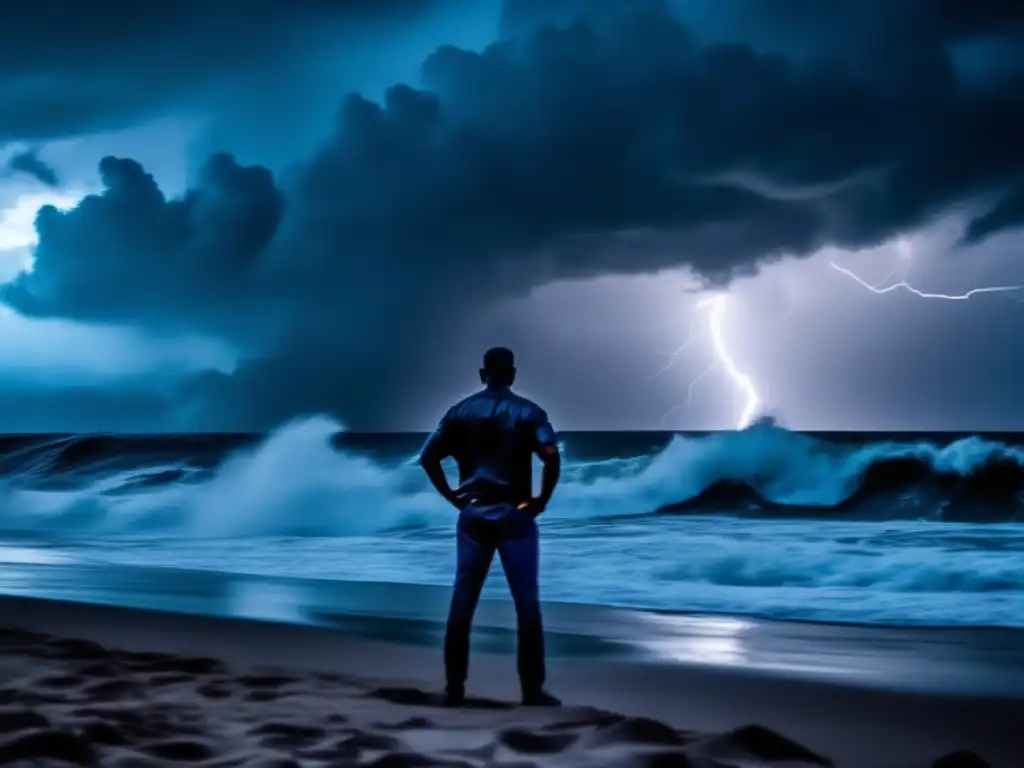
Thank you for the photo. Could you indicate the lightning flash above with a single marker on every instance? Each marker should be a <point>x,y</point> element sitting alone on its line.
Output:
<point>716,306</point>
<point>905,250</point>
<point>904,285</point>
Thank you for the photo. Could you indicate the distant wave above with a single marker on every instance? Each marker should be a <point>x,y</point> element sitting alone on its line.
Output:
<point>970,480</point>
<point>297,482</point>
<point>65,459</point>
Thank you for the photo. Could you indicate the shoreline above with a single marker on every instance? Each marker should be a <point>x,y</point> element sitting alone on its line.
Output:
<point>985,661</point>
<point>570,605</point>
<point>854,726</point>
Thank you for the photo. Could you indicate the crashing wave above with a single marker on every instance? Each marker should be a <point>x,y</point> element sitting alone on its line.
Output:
<point>299,482</point>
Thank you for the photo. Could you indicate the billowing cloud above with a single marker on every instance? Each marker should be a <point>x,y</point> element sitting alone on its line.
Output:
<point>30,164</point>
<point>565,151</point>
<point>68,68</point>
<point>129,254</point>
<point>1007,213</point>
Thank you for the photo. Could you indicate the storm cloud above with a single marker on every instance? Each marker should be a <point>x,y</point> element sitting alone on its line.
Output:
<point>30,164</point>
<point>566,149</point>
<point>130,254</point>
<point>68,68</point>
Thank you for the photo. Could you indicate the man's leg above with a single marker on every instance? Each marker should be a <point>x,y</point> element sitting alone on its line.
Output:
<point>520,558</point>
<point>474,556</point>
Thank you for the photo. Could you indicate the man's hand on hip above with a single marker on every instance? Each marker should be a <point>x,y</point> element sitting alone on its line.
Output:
<point>458,500</point>
<point>531,507</point>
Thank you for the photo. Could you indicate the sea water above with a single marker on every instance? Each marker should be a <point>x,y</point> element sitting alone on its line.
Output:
<point>910,529</point>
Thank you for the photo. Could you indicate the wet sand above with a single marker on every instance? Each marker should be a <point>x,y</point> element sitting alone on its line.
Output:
<point>104,685</point>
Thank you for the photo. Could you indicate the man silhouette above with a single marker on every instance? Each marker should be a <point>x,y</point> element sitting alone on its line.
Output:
<point>493,435</point>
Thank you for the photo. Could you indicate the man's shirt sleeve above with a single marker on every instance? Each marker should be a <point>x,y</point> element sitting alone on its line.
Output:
<point>440,443</point>
<point>544,433</point>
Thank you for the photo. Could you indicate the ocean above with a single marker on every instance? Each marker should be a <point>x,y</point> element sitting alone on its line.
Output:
<point>860,528</point>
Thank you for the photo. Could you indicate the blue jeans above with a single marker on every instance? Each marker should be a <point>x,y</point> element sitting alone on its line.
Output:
<point>515,540</point>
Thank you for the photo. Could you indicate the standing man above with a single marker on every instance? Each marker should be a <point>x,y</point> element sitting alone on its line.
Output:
<point>493,435</point>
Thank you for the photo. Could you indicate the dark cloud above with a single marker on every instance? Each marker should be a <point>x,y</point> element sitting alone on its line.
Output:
<point>522,17</point>
<point>129,254</point>
<point>68,67</point>
<point>570,151</point>
<point>1005,214</point>
<point>30,163</point>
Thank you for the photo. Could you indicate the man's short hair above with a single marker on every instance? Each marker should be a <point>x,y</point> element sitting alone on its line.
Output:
<point>499,359</point>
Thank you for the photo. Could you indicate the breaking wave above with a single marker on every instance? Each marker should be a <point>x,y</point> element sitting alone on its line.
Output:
<point>298,482</point>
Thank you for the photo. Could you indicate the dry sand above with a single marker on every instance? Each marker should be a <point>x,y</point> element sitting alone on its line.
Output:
<point>70,701</point>
<point>74,701</point>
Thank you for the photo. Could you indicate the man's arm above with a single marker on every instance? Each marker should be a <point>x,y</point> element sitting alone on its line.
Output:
<point>437,448</point>
<point>547,449</point>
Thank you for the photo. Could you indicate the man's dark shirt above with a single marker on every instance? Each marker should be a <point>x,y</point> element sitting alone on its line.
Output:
<point>492,435</point>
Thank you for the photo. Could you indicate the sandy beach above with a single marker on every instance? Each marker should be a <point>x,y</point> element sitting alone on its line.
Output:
<point>91,685</point>
<point>76,702</point>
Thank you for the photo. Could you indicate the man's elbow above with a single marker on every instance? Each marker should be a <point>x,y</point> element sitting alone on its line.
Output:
<point>430,460</point>
<point>549,454</point>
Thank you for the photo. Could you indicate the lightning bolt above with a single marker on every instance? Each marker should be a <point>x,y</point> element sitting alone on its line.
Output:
<point>718,303</point>
<point>904,285</point>
<point>905,250</point>
<point>716,306</point>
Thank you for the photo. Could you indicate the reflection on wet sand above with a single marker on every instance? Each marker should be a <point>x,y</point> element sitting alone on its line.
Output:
<point>961,660</point>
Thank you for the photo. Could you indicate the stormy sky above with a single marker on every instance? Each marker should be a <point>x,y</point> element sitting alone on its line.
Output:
<point>219,216</point>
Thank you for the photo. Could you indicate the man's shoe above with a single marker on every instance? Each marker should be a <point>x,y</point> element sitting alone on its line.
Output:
<point>540,698</point>
<point>454,696</point>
